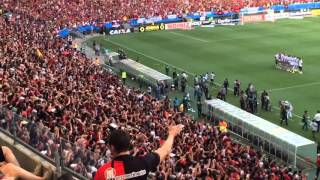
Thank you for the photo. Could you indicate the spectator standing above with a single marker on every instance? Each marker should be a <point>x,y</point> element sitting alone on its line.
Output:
<point>226,85</point>
<point>300,66</point>
<point>263,99</point>
<point>199,107</point>
<point>167,70</point>
<point>174,74</point>
<point>149,90</point>
<point>196,89</point>
<point>212,77</point>
<point>317,119</point>
<point>158,92</point>
<point>206,77</point>
<point>205,91</point>
<point>183,82</point>
<point>314,127</point>
<point>184,75</point>
<point>283,112</point>
<point>255,104</point>
<point>176,104</point>
<point>305,119</point>
<point>124,76</point>
<point>236,88</point>
<point>222,94</point>
<point>267,105</point>
<point>185,102</point>
<point>196,80</point>
<point>97,49</point>
<point>243,100</point>
<point>198,94</point>
<point>126,166</point>
<point>176,82</point>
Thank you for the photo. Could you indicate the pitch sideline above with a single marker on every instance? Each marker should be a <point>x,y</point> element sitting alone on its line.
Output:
<point>150,57</point>
<point>161,61</point>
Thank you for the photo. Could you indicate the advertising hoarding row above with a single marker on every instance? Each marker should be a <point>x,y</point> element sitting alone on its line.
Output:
<point>154,27</point>
<point>249,18</point>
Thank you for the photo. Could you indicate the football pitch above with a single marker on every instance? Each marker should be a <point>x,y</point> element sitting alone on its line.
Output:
<point>239,52</point>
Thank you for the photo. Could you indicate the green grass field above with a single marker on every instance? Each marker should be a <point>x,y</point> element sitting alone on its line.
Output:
<point>239,52</point>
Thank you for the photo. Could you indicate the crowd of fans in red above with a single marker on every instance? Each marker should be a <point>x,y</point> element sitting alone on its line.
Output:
<point>79,12</point>
<point>44,79</point>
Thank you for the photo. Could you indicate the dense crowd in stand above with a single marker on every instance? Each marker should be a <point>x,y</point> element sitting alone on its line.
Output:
<point>44,79</point>
<point>72,13</point>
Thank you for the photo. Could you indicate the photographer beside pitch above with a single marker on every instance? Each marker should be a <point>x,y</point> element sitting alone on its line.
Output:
<point>126,166</point>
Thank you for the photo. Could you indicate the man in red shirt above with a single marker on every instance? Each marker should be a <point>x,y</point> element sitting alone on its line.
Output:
<point>125,166</point>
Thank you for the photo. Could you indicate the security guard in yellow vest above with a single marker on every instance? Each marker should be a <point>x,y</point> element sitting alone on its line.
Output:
<point>223,125</point>
<point>124,77</point>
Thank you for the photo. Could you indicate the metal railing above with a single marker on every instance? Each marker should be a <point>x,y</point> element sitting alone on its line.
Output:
<point>34,135</point>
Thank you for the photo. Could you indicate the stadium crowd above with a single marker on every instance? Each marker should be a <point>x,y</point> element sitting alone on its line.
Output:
<point>44,79</point>
<point>80,12</point>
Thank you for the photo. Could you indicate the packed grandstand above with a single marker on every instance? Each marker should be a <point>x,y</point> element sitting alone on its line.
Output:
<point>64,94</point>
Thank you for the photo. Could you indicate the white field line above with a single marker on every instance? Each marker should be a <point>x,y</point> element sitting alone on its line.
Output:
<point>161,61</point>
<point>150,57</point>
<point>293,87</point>
<point>190,37</point>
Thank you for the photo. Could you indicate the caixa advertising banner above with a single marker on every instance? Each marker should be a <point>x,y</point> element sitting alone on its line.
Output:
<point>156,27</point>
<point>179,25</point>
<point>252,18</point>
<point>120,31</point>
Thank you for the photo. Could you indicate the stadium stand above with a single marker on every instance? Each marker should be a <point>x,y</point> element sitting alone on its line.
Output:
<point>27,159</point>
<point>65,95</point>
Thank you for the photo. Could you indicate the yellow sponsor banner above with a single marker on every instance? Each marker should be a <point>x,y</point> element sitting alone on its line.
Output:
<point>315,12</point>
<point>152,28</point>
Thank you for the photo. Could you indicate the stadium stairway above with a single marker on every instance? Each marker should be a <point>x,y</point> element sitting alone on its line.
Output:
<point>88,51</point>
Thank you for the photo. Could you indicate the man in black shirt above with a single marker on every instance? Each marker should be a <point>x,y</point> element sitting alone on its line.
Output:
<point>226,85</point>
<point>125,166</point>
<point>305,118</point>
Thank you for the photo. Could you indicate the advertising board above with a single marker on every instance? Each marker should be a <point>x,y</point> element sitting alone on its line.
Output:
<point>315,12</point>
<point>253,18</point>
<point>156,27</point>
<point>120,31</point>
<point>180,25</point>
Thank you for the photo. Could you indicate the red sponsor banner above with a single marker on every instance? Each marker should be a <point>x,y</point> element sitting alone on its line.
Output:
<point>253,18</point>
<point>180,25</point>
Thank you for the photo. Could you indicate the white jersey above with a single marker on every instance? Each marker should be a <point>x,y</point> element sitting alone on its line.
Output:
<point>212,76</point>
<point>300,63</point>
<point>317,117</point>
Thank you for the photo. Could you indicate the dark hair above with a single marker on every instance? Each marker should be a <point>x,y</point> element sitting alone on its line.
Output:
<point>65,176</point>
<point>120,140</point>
